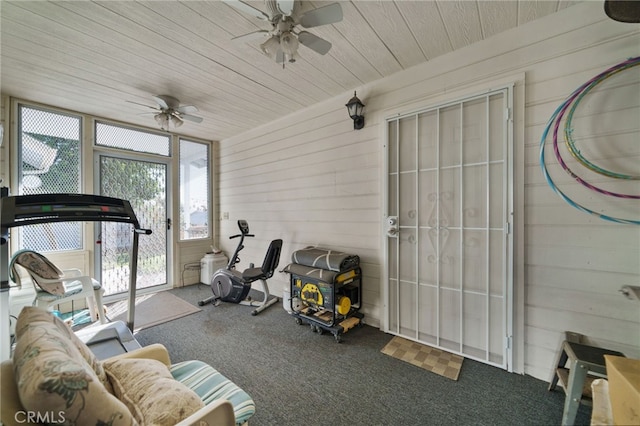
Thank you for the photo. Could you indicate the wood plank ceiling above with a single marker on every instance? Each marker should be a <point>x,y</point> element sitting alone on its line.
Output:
<point>94,56</point>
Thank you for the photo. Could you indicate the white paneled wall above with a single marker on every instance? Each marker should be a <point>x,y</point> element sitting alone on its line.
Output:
<point>309,178</point>
<point>4,164</point>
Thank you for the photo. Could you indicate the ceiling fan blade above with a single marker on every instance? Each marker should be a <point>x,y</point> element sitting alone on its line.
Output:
<point>329,14</point>
<point>187,109</point>
<point>255,35</point>
<point>286,6</point>
<point>161,102</point>
<point>148,106</point>
<point>314,42</point>
<point>190,118</point>
<point>250,10</point>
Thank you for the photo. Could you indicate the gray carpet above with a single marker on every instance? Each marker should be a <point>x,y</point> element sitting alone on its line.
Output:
<point>298,377</point>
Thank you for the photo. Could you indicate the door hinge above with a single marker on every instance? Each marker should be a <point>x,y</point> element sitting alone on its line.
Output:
<point>168,223</point>
<point>509,341</point>
<point>507,114</point>
<point>507,228</point>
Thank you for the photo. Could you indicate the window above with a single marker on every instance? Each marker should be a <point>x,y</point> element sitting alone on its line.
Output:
<point>194,190</point>
<point>49,153</point>
<point>113,136</point>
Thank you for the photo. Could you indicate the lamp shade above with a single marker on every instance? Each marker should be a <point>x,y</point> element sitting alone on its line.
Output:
<point>176,121</point>
<point>163,120</point>
<point>289,44</point>
<point>355,107</point>
<point>271,46</point>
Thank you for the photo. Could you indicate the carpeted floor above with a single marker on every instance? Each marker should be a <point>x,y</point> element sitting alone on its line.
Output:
<point>298,377</point>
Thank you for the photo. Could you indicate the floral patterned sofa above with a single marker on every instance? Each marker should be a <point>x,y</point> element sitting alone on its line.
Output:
<point>54,378</point>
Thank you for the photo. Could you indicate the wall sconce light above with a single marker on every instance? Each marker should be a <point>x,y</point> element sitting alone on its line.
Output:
<point>355,107</point>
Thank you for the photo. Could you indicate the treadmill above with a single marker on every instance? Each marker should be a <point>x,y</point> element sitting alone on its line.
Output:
<point>105,340</point>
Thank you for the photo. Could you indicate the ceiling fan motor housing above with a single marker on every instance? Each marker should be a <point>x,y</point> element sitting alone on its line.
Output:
<point>171,102</point>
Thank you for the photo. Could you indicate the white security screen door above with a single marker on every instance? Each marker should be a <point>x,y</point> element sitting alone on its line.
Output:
<point>449,250</point>
<point>133,164</point>
<point>144,185</point>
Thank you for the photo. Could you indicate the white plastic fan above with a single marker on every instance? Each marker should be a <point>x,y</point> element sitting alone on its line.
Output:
<point>169,111</point>
<point>283,39</point>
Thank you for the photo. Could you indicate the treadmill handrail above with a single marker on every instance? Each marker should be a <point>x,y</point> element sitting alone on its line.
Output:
<point>21,210</point>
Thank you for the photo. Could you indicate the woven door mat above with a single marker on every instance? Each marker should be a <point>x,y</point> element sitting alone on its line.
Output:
<point>425,357</point>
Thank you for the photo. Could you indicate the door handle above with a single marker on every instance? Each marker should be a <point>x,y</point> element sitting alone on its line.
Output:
<point>392,226</point>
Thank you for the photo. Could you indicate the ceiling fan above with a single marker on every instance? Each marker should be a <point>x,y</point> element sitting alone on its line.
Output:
<point>169,111</point>
<point>284,37</point>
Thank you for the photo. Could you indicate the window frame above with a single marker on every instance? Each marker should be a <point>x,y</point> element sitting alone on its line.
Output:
<point>209,179</point>
<point>16,172</point>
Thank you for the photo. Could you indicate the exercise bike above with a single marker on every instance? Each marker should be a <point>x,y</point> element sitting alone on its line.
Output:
<point>231,285</point>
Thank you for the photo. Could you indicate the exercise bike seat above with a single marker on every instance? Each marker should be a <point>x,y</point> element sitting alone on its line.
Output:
<point>269,265</point>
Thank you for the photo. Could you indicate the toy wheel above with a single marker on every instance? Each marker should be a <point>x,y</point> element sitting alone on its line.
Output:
<point>319,330</point>
<point>338,338</point>
<point>200,303</point>
<point>298,321</point>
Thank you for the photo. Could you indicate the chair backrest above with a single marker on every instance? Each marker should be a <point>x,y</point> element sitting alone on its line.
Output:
<point>40,269</point>
<point>272,258</point>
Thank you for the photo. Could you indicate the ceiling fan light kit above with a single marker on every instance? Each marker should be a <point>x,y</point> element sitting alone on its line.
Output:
<point>284,38</point>
<point>163,119</point>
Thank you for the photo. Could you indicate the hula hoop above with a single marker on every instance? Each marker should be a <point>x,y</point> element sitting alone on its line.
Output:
<point>572,174</point>
<point>557,114</point>
<point>568,131</point>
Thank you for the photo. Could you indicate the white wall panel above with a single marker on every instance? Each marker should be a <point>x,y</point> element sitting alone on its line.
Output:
<point>309,178</point>
<point>4,151</point>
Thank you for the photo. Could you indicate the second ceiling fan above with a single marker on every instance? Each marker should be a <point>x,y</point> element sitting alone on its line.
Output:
<point>283,39</point>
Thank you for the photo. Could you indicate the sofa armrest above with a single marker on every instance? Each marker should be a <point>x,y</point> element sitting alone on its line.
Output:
<point>155,351</point>
<point>217,413</point>
<point>11,406</point>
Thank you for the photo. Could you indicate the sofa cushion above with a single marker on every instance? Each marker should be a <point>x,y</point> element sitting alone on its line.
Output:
<point>211,385</point>
<point>150,392</point>
<point>53,375</point>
